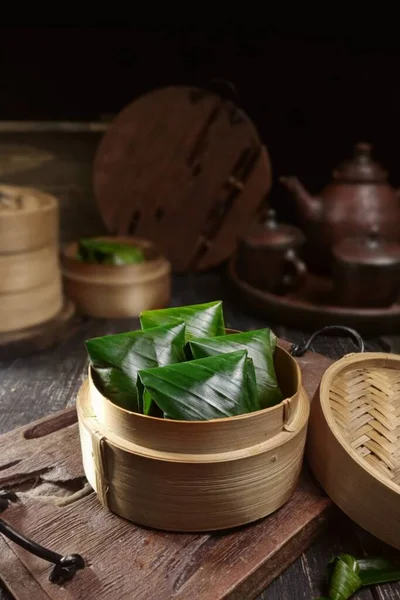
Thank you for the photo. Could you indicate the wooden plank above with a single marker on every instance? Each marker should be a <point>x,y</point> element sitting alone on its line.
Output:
<point>306,579</point>
<point>135,562</point>
<point>15,575</point>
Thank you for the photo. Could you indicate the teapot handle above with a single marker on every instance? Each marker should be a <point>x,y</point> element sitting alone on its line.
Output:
<point>300,349</point>
<point>296,270</point>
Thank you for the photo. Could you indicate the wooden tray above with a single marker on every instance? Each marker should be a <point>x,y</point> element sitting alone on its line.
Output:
<point>311,308</point>
<point>185,168</point>
<point>132,562</point>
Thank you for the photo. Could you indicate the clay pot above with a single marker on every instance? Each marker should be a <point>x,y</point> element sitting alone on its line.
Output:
<point>367,271</point>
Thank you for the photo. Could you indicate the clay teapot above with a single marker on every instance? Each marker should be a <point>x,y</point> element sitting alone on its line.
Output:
<point>358,197</point>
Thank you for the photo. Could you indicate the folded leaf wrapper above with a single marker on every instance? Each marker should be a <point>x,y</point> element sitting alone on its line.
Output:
<point>209,388</point>
<point>109,253</point>
<point>260,345</point>
<point>202,320</point>
<point>347,574</point>
<point>116,359</point>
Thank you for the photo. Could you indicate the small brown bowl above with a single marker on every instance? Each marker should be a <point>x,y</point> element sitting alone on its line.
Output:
<point>108,291</point>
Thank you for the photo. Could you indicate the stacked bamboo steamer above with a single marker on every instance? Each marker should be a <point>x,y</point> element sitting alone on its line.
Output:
<point>30,281</point>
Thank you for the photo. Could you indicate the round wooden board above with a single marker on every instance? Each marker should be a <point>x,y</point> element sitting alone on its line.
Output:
<point>15,344</point>
<point>309,308</point>
<point>184,168</point>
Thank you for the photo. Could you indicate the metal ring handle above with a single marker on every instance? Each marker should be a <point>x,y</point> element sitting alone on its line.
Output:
<point>300,349</point>
<point>64,568</point>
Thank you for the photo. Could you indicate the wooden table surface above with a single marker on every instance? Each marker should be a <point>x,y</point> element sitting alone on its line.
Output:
<point>48,381</point>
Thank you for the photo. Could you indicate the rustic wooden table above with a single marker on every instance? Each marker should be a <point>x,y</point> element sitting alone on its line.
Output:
<point>48,381</point>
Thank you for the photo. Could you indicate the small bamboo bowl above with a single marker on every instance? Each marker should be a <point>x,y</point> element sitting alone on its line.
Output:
<point>107,291</point>
<point>195,475</point>
<point>354,441</point>
<point>21,231</point>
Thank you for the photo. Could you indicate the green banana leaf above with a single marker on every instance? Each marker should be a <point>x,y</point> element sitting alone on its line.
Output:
<point>108,253</point>
<point>344,577</point>
<point>201,319</point>
<point>377,570</point>
<point>260,345</point>
<point>204,389</point>
<point>347,574</point>
<point>116,359</point>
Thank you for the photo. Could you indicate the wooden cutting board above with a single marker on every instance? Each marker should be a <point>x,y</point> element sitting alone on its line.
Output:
<point>56,508</point>
<point>185,168</point>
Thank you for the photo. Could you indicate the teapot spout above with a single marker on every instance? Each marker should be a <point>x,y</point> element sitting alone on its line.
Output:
<point>309,206</point>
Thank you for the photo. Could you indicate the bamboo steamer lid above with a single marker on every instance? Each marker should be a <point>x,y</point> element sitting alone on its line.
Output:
<point>106,291</point>
<point>354,442</point>
<point>185,168</point>
<point>198,475</point>
<point>34,227</point>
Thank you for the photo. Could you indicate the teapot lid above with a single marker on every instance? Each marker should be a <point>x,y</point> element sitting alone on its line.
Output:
<point>361,167</point>
<point>272,233</point>
<point>368,250</point>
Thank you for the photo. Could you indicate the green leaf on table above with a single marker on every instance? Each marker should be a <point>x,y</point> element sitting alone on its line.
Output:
<point>109,253</point>
<point>348,574</point>
<point>260,345</point>
<point>377,570</point>
<point>344,578</point>
<point>208,388</point>
<point>116,359</point>
<point>202,320</point>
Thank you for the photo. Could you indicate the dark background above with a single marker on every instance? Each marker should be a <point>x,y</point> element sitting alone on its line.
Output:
<point>313,91</point>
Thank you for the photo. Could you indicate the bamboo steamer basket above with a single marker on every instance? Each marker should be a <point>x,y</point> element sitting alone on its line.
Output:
<point>108,291</point>
<point>30,307</point>
<point>27,270</point>
<point>195,475</point>
<point>28,229</point>
<point>354,440</point>
<point>30,279</point>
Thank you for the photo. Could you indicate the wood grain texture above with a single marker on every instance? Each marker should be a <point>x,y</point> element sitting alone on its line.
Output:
<point>184,168</point>
<point>205,566</point>
<point>48,381</point>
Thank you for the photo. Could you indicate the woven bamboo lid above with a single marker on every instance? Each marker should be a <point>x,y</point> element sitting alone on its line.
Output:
<point>354,440</point>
